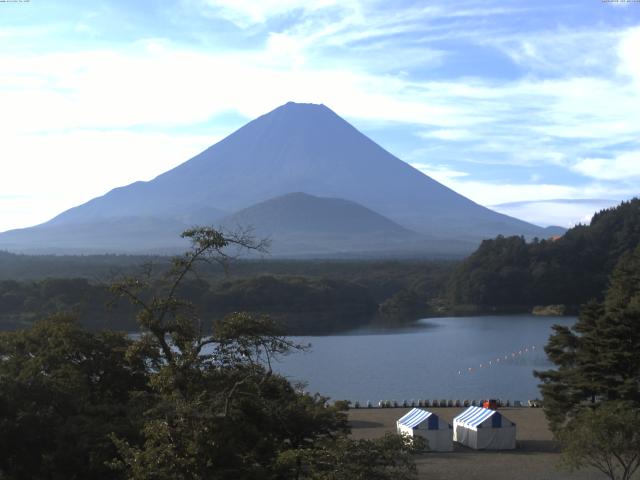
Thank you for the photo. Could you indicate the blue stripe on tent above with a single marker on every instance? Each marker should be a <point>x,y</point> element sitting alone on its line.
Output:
<point>474,416</point>
<point>410,414</point>
<point>478,418</point>
<point>417,419</point>
<point>414,417</point>
<point>407,415</point>
<point>468,413</point>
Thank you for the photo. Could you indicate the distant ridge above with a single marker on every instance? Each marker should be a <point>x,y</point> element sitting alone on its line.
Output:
<point>295,148</point>
<point>302,224</point>
<point>302,213</point>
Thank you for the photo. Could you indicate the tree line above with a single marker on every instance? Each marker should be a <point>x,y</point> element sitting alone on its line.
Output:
<point>301,305</point>
<point>306,297</point>
<point>509,272</point>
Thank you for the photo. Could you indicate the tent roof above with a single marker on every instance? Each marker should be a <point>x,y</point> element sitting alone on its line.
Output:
<point>414,417</point>
<point>474,416</point>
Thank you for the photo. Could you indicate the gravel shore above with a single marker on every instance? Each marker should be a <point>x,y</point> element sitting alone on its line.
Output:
<point>536,457</point>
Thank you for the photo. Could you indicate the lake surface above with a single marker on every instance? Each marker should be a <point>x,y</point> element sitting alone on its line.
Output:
<point>437,358</point>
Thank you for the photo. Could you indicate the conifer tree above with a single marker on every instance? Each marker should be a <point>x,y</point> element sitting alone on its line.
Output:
<point>592,398</point>
<point>597,359</point>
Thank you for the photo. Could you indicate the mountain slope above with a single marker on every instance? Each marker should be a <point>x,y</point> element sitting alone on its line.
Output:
<point>301,213</point>
<point>127,234</point>
<point>301,224</point>
<point>299,148</point>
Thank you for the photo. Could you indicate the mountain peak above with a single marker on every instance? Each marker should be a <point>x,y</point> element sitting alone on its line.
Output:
<point>291,104</point>
<point>302,105</point>
<point>303,112</point>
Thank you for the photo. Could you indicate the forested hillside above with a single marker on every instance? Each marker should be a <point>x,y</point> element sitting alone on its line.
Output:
<point>571,270</point>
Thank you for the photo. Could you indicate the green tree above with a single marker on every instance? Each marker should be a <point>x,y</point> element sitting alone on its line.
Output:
<point>570,270</point>
<point>593,396</point>
<point>597,358</point>
<point>606,438</point>
<point>385,458</point>
<point>218,411</point>
<point>62,392</point>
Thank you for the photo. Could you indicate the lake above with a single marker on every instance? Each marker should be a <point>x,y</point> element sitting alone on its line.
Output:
<point>436,358</point>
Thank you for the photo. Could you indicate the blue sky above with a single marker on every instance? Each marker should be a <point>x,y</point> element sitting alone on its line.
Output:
<point>531,107</point>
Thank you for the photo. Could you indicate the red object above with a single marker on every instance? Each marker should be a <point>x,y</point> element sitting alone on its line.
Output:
<point>492,404</point>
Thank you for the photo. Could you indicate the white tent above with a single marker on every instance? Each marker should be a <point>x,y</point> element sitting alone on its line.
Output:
<point>484,429</point>
<point>437,432</point>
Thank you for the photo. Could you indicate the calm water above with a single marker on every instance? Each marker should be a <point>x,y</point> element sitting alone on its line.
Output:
<point>430,360</point>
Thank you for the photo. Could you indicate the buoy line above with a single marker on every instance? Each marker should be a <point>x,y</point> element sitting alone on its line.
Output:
<point>500,360</point>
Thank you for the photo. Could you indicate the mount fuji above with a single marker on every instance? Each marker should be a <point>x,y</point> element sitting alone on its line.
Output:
<point>299,174</point>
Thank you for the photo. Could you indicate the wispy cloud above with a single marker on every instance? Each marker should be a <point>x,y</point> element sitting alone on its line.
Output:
<point>559,50</point>
<point>67,168</point>
<point>441,173</point>
<point>625,166</point>
<point>450,134</point>
<point>560,212</point>
<point>490,193</point>
<point>246,13</point>
<point>553,100</point>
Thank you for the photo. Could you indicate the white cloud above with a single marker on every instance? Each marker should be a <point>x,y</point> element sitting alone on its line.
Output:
<point>532,201</point>
<point>558,50</point>
<point>622,167</point>
<point>55,103</point>
<point>564,213</point>
<point>488,193</point>
<point>440,173</point>
<point>157,83</point>
<point>628,53</point>
<point>365,14</point>
<point>24,211</point>
<point>65,169</point>
<point>494,193</point>
<point>245,13</point>
<point>450,134</point>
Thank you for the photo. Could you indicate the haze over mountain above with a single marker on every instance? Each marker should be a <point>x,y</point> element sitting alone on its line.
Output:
<point>295,148</point>
<point>299,224</point>
<point>299,212</point>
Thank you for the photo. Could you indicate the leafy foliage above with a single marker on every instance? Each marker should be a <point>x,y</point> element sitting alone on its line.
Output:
<point>62,392</point>
<point>606,438</point>
<point>301,305</point>
<point>388,457</point>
